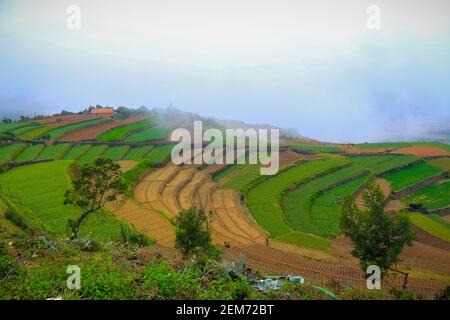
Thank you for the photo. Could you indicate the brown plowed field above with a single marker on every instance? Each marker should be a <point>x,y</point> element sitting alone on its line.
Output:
<point>91,133</point>
<point>276,261</point>
<point>172,189</point>
<point>288,157</point>
<point>127,165</point>
<point>423,151</point>
<point>428,239</point>
<point>146,221</point>
<point>60,121</point>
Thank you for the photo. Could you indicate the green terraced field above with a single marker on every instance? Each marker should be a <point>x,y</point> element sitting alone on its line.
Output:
<point>30,153</point>
<point>392,145</point>
<point>264,200</point>
<point>77,151</point>
<point>4,127</point>
<point>56,152</point>
<point>154,133</point>
<point>317,148</point>
<point>9,152</point>
<point>138,153</point>
<point>159,155</point>
<point>431,226</point>
<point>59,132</point>
<point>35,133</point>
<point>116,153</point>
<point>21,130</point>
<point>228,170</point>
<point>434,196</point>
<point>242,177</point>
<point>304,216</point>
<point>382,163</point>
<point>40,188</point>
<point>120,133</point>
<point>306,240</point>
<point>92,154</point>
<point>410,176</point>
<point>443,163</point>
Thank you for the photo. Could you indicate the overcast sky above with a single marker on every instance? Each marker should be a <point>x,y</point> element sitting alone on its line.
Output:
<point>309,65</point>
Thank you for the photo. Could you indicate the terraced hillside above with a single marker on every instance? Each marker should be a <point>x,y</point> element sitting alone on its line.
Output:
<point>91,133</point>
<point>171,189</point>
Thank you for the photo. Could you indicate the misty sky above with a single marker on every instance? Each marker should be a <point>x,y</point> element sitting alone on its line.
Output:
<point>309,65</point>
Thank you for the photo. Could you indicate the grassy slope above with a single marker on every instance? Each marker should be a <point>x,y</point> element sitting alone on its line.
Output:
<point>77,151</point>
<point>92,154</point>
<point>56,152</point>
<point>41,187</point>
<point>120,133</point>
<point>35,133</point>
<point>9,152</point>
<point>138,153</point>
<point>116,153</point>
<point>243,177</point>
<point>153,133</point>
<point>30,153</point>
<point>380,164</point>
<point>441,145</point>
<point>410,176</point>
<point>431,226</point>
<point>12,126</point>
<point>159,155</point>
<point>434,196</point>
<point>264,200</point>
<point>296,204</point>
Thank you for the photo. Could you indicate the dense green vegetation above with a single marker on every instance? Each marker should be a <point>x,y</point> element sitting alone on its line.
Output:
<point>306,240</point>
<point>40,188</point>
<point>441,145</point>
<point>380,164</point>
<point>317,148</point>
<point>300,208</point>
<point>433,227</point>
<point>138,153</point>
<point>116,153</point>
<point>21,130</point>
<point>77,151</point>
<point>226,171</point>
<point>243,177</point>
<point>92,154</point>
<point>264,200</point>
<point>410,176</point>
<point>434,196</point>
<point>58,132</point>
<point>4,127</point>
<point>159,155</point>
<point>35,133</point>
<point>9,152</point>
<point>30,153</point>
<point>56,152</point>
<point>120,133</point>
<point>149,134</point>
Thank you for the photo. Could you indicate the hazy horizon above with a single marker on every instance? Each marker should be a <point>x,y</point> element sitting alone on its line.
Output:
<point>309,65</point>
